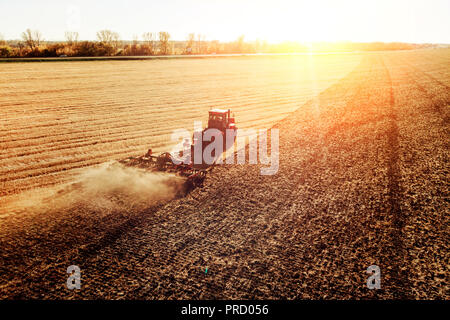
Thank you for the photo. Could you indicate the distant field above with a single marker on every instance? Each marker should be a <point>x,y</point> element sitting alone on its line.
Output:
<point>61,116</point>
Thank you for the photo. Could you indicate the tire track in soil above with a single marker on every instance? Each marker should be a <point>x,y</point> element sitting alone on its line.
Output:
<point>438,107</point>
<point>84,252</point>
<point>429,76</point>
<point>398,254</point>
<point>426,239</point>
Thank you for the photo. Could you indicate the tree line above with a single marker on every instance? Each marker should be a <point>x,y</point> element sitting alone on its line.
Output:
<point>108,43</point>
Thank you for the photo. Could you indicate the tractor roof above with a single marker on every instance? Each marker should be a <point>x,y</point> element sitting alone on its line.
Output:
<point>218,111</point>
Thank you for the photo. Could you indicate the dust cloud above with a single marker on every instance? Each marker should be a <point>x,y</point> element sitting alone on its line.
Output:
<point>114,186</point>
<point>105,188</point>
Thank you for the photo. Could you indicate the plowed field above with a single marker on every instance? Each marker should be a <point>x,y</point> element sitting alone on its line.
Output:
<point>363,180</point>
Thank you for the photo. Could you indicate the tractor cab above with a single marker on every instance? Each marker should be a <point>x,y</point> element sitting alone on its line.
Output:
<point>221,119</point>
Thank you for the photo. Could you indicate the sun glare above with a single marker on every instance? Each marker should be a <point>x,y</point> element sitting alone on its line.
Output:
<point>272,21</point>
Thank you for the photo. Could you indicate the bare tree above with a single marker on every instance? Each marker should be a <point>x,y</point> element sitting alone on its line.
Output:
<point>71,37</point>
<point>21,45</point>
<point>105,36</point>
<point>204,44</point>
<point>116,40</point>
<point>215,47</point>
<point>135,39</point>
<point>190,43</point>
<point>150,41</point>
<point>32,39</point>
<point>199,43</point>
<point>134,47</point>
<point>240,44</point>
<point>109,38</point>
<point>2,40</point>
<point>164,47</point>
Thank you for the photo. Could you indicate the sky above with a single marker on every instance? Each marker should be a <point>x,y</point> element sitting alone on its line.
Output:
<point>415,21</point>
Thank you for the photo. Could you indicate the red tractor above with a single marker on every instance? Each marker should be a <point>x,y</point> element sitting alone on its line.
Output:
<point>194,173</point>
<point>221,120</point>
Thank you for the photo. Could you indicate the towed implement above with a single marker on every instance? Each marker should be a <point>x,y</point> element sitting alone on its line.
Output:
<point>193,173</point>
